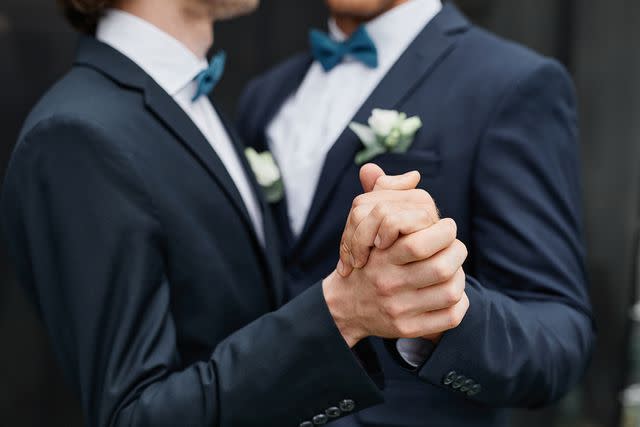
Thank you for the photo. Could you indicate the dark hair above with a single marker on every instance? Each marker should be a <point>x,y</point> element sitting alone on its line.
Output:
<point>83,15</point>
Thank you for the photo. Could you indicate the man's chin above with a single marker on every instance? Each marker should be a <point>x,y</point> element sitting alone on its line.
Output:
<point>227,9</point>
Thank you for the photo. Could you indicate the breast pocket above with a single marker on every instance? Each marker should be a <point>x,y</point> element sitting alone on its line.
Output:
<point>427,162</point>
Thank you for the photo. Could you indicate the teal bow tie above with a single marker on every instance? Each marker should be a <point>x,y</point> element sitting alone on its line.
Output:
<point>208,79</point>
<point>330,53</point>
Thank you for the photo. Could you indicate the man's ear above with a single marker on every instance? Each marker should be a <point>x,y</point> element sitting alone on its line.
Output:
<point>369,175</point>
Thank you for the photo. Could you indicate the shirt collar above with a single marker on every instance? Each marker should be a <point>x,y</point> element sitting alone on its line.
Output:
<point>170,63</point>
<point>394,30</point>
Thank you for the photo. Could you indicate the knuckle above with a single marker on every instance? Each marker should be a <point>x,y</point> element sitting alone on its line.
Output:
<point>441,271</point>
<point>453,294</point>
<point>359,201</point>
<point>381,210</point>
<point>405,330</point>
<point>413,248</point>
<point>451,228</point>
<point>453,319</point>
<point>463,249</point>
<point>358,214</point>
<point>393,309</point>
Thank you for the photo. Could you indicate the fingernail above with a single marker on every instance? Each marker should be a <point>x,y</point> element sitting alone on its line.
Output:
<point>377,241</point>
<point>353,260</point>
<point>341,268</point>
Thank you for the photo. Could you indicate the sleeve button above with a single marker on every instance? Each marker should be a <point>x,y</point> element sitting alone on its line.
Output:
<point>347,405</point>
<point>474,390</point>
<point>333,412</point>
<point>466,386</point>
<point>320,419</point>
<point>451,377</point>
<point>459,381</point>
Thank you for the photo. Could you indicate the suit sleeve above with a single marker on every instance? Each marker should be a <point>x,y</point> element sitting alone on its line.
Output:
<point>528,334</point>
<point>90,248</point>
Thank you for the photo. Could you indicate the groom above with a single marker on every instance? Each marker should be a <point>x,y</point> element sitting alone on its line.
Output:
<point>146,245</point>
<point>495,139</point>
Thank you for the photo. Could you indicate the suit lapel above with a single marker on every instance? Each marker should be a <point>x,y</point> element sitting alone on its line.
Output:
<point>270,251</point>
<point>285,84</point>
<point>430,47</point>
<point>107,61</point>
<point>174,117</point>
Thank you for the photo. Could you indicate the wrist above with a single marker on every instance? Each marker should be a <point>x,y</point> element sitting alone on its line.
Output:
<point>337,296</point>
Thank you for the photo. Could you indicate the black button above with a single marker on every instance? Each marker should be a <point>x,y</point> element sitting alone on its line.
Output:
<point>460,379</point>
<point>333,412</point>
<point>466,386</point>
<point>451,377</point>
<point>320,419</point>
<point>474,390</point>
<point>306,424</point>
<point>347,405</point>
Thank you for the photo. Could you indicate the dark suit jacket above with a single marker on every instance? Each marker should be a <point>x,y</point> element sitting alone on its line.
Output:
<point>498,152</point>
<point>137,249</point>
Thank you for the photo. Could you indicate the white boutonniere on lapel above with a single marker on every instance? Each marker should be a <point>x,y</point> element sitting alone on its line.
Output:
<point>267,174</point>
<point>388,131</point>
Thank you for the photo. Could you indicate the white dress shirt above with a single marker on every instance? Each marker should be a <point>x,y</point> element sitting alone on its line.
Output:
<point>314,117</point>
<point>173,66</point>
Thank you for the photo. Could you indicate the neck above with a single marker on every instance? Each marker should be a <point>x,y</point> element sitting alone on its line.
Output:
<point>190,22</point>
<point>349,23</point>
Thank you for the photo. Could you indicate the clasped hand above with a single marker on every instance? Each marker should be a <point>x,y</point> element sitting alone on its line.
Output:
<point>400,271</point>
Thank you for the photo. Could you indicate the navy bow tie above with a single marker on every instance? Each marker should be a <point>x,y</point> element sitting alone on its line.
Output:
<point>330,52</point>
<point>208,79</point>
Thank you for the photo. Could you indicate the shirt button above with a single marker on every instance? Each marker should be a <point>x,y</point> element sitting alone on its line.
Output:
<point>306,424</point>
<point>333,412</point>
<point>347,405</point>
<point>466,386</point>
<point>320,419</point>
<point>474,390</point>
<point>460,379</point>
<point>451,377</point>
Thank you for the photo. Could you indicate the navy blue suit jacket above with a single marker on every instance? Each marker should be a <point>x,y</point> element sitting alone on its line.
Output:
<point>499,154</point>
<point>134,244</point>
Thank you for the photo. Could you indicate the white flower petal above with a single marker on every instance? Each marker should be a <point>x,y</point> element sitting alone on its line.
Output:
<point>366,134</point>
<point>382,121</point>
<point>264,167</point>
<point>410,126</point>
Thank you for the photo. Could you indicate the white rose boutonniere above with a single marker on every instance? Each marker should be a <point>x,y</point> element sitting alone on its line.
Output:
<point>267,174</point>
<point>388,131</point>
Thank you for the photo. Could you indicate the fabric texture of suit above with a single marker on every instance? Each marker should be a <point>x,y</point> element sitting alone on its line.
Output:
<point>135,246</point>
<point>499,154</point>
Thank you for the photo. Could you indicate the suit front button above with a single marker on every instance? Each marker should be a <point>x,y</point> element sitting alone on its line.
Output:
<point>306,424</point>
<point>347,405</point>
<point>451,377</point>
<point>466,386</point>
<point>460,379</point>
<point>333,412</point>
<point>320,419</point>
<point>474,390</point>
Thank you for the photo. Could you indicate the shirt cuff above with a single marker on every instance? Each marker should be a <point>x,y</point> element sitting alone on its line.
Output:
<point>414,351</point>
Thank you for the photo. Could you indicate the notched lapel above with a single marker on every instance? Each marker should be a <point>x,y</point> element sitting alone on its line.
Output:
<point>170,113</point>
<point>424,54</point>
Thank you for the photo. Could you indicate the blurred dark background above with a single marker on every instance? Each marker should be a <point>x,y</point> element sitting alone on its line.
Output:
<point>598,41</point>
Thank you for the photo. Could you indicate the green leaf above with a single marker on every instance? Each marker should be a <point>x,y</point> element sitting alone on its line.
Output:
<point>369,153</point>
<point>404,145</point>
<point>275,192</point>
<point>365,133</point>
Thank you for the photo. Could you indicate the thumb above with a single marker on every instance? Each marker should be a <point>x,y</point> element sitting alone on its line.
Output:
<point>408,181</point>
<point>369,175</point>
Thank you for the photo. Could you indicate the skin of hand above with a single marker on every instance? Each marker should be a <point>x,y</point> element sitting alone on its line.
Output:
<point>412,284</point>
